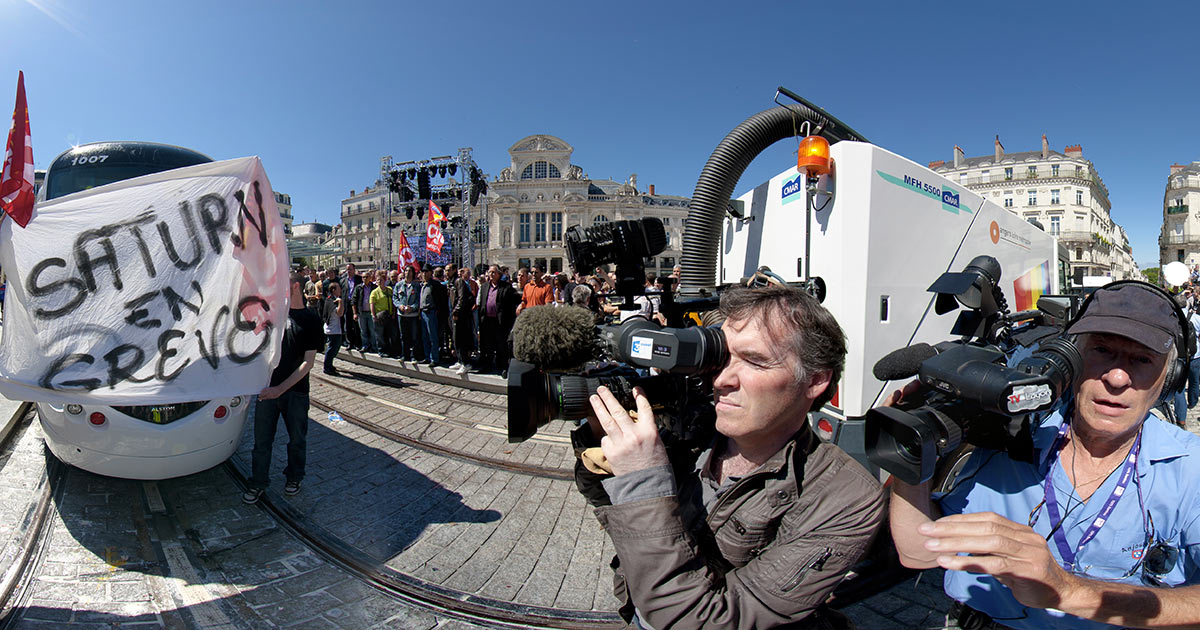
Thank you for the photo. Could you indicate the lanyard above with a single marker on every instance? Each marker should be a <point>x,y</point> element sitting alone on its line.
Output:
<point>1060,537</point>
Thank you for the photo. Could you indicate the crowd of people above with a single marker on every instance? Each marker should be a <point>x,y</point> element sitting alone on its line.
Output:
<point>446,316</point>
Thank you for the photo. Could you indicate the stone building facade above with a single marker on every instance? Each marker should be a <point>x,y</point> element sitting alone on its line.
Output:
<point>541,193</point>
<point>360,236</point>
<point>1179,239</point>
<point>1061,191</point>
<point>522,219</point>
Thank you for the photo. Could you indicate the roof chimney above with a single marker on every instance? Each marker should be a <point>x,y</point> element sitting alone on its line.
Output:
<point>999,148</point>
<point>1175,168</point>
<point>1074,150</point>
<point>1045,147</point>
<point>959,157</point>
<point>937,164</point>
<point>652,189</point>
<point>351,192</point>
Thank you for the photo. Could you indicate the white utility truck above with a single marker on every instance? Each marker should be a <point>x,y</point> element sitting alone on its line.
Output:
<point>883,228</point>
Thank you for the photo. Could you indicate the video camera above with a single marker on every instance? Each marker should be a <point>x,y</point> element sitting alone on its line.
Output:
<point>553,379</point>
<point>972,392</point>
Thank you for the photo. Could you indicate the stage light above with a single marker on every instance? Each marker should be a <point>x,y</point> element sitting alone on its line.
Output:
<point>408,212</point>
<point>442,170</point>
<point>452,168</point>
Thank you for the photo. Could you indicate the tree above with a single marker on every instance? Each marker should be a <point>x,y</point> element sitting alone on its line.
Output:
<point>1152,275</point>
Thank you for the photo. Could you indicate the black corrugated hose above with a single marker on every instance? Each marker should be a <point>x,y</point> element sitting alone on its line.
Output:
<point>720,175</point>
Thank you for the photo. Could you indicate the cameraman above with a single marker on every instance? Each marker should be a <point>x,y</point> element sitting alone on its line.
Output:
<point>758,529</point>
<point>1106,521</point>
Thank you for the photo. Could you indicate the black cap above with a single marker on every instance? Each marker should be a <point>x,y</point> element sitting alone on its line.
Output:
<point>427,267</point>
<point>1135,311</point>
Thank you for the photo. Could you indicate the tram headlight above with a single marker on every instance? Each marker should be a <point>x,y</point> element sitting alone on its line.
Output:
<point>74,409</point>
<point>236,402</point>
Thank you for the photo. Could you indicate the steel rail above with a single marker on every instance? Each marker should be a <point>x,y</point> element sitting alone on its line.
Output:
<point>434,597</point>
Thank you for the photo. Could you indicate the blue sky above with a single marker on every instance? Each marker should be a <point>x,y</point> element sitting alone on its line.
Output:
<point>321,90</point>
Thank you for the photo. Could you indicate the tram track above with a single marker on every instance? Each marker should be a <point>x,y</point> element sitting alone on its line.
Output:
<point>418,441</point>
<point>16,574</point>
<point>437,449</point>
<point>398,382</point>
<point>413,590</point>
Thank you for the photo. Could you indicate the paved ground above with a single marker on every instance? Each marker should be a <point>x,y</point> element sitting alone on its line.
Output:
<point>470,528</point>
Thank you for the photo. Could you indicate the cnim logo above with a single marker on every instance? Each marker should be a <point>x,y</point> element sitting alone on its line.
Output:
<point>994,232</point>
<point>792,189</point>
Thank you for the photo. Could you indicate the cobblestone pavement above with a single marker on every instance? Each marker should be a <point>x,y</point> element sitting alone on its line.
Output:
<point>471,528</point>
<point>187,553</point>
<point>178,554</point>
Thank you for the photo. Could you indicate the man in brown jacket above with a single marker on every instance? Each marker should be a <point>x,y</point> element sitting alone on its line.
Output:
<point>768,520</point>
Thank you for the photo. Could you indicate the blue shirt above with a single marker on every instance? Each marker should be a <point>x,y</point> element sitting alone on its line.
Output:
<point>1168,473</point>
<point>1195,319</point>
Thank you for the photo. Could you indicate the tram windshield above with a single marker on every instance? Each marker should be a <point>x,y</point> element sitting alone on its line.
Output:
<point>101,163</point>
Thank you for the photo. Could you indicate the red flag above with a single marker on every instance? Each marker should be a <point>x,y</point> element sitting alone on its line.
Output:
<point>435,213</point>
<point>16,180</point>
<point>407,257</point>
<point>434,240</point>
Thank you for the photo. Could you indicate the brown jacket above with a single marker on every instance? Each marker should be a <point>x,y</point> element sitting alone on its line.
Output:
<point>767,555</point>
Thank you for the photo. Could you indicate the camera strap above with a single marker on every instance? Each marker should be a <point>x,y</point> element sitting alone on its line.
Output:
<point>1060,538</point>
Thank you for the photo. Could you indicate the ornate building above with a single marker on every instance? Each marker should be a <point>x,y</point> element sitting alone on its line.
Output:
<point>1061,191</point>
<point>284,202</point>
<point>360,235</point>
<point>540,194</point>
<point>1179,239</point>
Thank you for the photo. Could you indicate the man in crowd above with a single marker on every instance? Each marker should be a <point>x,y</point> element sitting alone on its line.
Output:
<point>1193,387</point>
<point>536,292</point>
<point>351,337</point>
<point>522,280</point>
<point>382,312</point>
<point>360,302</point>
<point>759,529</point>
<point>406,296</point>
<point>1101,527</point>
<point>287,396</point>
<point>432,294</point>
<point>449,278</point>
<point>312,291</point>
<point>443,312</point>
<point>497,304</point>
<point>462,310</point>
<point>394,346</point>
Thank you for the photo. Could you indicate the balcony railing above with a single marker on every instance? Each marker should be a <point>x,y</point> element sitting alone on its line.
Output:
<point>1177,209</point>
<point>1178,239</point>
<point>1075,236</point>
<point>1018,178</point>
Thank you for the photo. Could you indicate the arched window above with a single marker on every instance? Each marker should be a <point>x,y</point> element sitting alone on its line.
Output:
<point>541,170</point>
<point>600,218</point>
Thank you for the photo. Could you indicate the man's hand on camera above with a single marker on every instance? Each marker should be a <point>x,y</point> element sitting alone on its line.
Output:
<point>899,395</point>
<point>629,446</point>
<point>1013,553</point>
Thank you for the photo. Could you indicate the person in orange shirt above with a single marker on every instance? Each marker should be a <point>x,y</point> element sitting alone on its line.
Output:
<point>537,292</point>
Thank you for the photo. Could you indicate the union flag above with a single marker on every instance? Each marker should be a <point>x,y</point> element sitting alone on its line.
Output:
<point>435,213</point>
<point>16,180</point>
<point>434,239</point>
<point>407,257</point>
